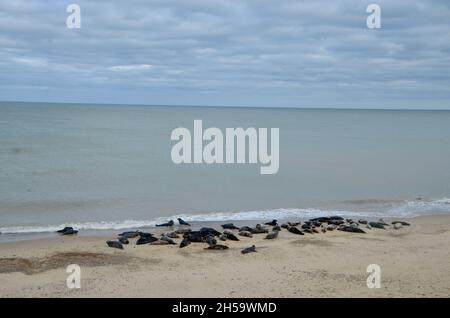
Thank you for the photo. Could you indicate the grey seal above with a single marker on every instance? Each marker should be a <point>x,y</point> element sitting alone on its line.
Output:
<point>229,226</point>
<point>167,239</point>
<point>182,222</point>
<point>353,229</point>
<point>171,235</point>
<point>216,247</point>
<point>185,242</point>
<point>377,225</point>
<point>251,249</point>
<point>295,230</point>
<point>170,223</point>
<point>230,235</point>
<point>401,222</point>
<point>259,229</point>
<point>159,242</point>
<point>130,234</point>
<point>272,223</point>
<point>123,240</point>
<point>115,244</point>
<point>245,233</point>
<point>272,235</point>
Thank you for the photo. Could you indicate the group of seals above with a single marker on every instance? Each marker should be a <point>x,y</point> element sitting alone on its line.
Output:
<point>210,236</point>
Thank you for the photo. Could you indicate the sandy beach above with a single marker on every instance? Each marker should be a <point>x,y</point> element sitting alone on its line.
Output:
<point>414,261</point>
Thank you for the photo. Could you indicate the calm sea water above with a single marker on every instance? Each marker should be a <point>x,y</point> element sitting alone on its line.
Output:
<point>100,166</point>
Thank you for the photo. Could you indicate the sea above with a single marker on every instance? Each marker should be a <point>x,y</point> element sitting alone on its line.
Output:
<point>109,167</point>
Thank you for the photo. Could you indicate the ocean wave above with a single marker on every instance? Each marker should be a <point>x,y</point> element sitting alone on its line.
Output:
<point>404,209</point>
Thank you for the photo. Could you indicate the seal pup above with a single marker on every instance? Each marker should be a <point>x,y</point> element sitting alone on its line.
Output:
<point>216,247</point>
<point>170,223</point>
<point>272,235</point>
<point>348,228</point>
<point>123,240</point>
<point>171,235</point>
<point>245,233</point>
<point>182,222</point>
<point>295,230</point>
<point>185,242</point>
<point>229,226</point>
<point>251,249</point>
<point>167,239</point>
<point>272,223</point>
<point>397,226</point>
<point>230,235</point>
<point>211,240</point>
<point>115,244</point>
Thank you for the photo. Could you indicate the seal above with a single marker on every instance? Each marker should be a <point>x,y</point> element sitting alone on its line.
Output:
<point>331,227</point>
<point>159,242</point>
<point>211,240</point>
<point>353,229</point>
<point>259,229</point>
<point>209,230</point>
<point>273,223</point>
<point>69,232</point>
<point>223,237</point>
<point>229,226</point>
<point>251,249</point>
<point>67,228</point>
<point>245,228</point>
<point>285,226</point>
<point>397,226</point>
<point>123,240</point>
<point>377,225</point>
<point>216,247</point>
<point>361,221</point>
<point>381,221</point>
<point>276,228</point>
<point>182,222</point>
<point>167,239</point>
<point>185,242</point>
<point>171,235</point>
<point>245,233</point>
<point>295,230</point>
<point>272,235</point>
<point>401,222</point>
<point>230,235</point>
<point>115,244</point>
<point>170,223</point>
<point>146,238</point>
<point>129,234</point>
<point>183,231</point>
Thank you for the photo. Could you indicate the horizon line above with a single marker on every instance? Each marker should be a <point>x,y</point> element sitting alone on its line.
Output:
<point>224,106</point>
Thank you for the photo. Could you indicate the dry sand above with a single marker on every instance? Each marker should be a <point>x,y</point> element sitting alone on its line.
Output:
<point>415,262</point>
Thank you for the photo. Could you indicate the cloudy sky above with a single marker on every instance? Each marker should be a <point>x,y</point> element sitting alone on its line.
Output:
<point>289,53</point>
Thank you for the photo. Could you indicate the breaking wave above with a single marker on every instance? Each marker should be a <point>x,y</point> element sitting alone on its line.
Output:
<point>404,209</point>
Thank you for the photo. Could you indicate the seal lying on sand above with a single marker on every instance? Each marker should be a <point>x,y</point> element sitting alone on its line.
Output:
<point>145,238</point>
<point>185,242</point>
<point>115,244</point>
<point>295,230</point>
<point>259,229</point>
<point>211,240</point>
<point>361,221</point>
<point>159,242</point>
<point>273,223</point>
<point>245,228</point>
<point>209,231</point>
<point>129,234</point>
<point>229,226</point>
<point>377,225</point>
<point>245,233</point>
<point>272,235</point>
<point>170,223</point>
<point>171,235</point>
<point>276,228</point>
<point>183,231</point>
<point>167,239</point>
<point>250,249</point>
<point>348,228</point>
<point>216,247</point>
<point>230,235</point>
<point>401,222</point>
<point>182,222</point>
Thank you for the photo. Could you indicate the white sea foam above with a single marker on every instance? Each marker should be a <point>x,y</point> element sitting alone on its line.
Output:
<point>405,210</point>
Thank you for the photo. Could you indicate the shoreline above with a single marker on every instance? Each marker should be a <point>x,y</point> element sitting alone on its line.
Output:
<point>413,259</point>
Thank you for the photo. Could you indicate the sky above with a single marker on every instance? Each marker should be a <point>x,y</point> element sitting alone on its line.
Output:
<point>267,53</point>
